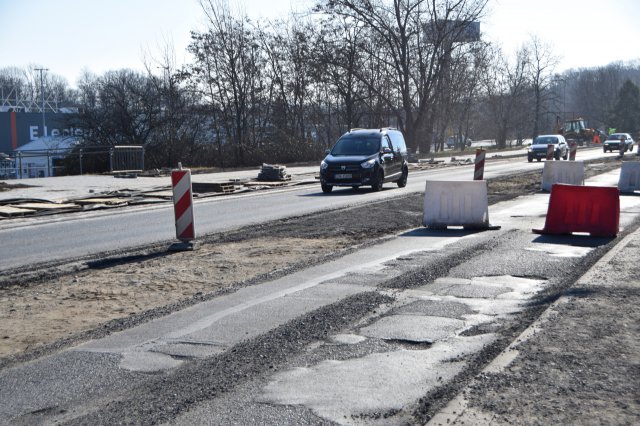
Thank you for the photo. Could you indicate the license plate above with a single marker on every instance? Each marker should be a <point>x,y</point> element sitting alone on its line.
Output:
<point>343,176</point>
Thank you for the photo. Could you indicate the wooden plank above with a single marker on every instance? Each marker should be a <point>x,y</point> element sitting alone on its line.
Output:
<point>266,183</point>
<point>206,187</point>
<point>159,194</point>
<point>110,201</point>
<point>8,211</point>
<point>46,206</point>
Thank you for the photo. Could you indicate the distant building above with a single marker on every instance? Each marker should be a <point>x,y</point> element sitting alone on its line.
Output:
<point>42,157</point>
<point>18,128</point>
<point>7,167</point>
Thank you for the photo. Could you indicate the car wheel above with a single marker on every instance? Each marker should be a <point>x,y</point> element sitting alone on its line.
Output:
<point>326,188</point>
<point>377,185</point>
<point>566,155</point>
<point>402,182</point>
<point>538,159</point>
<point>556,156</point>
<point>604,149</point>
<point>529,159</point>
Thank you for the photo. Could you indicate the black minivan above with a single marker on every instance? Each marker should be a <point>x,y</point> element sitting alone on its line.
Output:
<point>366,157</point>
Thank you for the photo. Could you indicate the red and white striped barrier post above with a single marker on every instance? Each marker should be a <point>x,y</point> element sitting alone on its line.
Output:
<point>183,208</point>
<point>550,149</point>
<point>573,149</point>
<point>478,173</point>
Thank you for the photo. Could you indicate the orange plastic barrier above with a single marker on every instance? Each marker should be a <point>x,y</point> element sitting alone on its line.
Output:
<point>592,209</point>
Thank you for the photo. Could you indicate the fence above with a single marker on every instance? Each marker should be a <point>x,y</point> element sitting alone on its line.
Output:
<point>126,158</point>
<point>59,162</point>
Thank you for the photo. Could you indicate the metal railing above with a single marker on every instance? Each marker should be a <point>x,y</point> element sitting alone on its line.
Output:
<point>58,162</point>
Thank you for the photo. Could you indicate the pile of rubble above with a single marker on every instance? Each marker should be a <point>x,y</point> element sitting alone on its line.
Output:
<point>271,173</point>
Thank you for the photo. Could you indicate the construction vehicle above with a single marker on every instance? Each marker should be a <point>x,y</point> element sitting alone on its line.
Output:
<point>575,130</point>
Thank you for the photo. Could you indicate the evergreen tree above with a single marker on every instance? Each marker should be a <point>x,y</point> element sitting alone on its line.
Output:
<point>625,115</point>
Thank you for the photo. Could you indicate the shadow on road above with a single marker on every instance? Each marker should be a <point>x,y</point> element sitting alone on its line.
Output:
<point>576,240</point>
<point>449,232</point>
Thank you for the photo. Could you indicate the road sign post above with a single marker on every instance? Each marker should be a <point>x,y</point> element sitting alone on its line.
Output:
<point>183,209</point>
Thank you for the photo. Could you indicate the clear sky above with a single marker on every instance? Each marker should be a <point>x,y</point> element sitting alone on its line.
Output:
<point>70,36</point>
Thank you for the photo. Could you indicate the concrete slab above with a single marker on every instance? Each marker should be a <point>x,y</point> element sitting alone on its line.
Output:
<point>413,328</point>
<point>469,290</point>
<point>348,339</point>
<point>483,287</point>
<point>346,392</point>
<point>147,362</point>
<point>436,308</point>
<point>558,250</point>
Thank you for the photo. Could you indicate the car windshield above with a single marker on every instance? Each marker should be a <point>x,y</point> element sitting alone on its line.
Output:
<point>356,145</point>
<point>616,137</point>
<point>545,140</point>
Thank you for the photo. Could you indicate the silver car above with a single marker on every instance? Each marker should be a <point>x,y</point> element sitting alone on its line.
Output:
<point>538,148</point>
<point>613,142</point>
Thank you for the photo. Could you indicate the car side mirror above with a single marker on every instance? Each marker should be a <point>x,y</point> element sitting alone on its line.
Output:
<point>327,151</point>
<point>387,150</point>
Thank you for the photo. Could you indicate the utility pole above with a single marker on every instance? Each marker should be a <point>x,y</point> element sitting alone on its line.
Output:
<point>41,70</point>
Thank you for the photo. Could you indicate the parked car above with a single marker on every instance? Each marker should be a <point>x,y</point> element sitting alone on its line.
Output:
<point>539,146</point>
<point>613,142</point>
<point>364,157</point>
<point>456,139</point>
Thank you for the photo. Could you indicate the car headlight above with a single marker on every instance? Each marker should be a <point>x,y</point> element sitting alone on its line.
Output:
<point>324,165</point>
<point>368,164</point>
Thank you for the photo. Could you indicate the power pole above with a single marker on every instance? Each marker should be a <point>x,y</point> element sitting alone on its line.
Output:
<point>41,70</point>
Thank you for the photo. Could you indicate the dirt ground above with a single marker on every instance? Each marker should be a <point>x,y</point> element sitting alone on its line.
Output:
<point>109,295</point>
<point>60,307</point>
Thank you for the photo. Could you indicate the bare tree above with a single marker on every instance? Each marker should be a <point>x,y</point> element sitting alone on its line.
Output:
<point>226,72</point>
<point>119,108</point>
<point>505,85</point>
<point>541,68</point>
<point>22,87</point>
<point>414,59</point>
<point>177,135</point>
<point>338,56</point>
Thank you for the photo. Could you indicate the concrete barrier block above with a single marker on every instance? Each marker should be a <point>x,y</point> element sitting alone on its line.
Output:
<point>567,172</point>
<point>629,179</point>
<point>456,203</point>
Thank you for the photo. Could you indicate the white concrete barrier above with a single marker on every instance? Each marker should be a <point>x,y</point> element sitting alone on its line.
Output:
<point>629,176</point>
<point>456,203</point>
<point>569,172</point>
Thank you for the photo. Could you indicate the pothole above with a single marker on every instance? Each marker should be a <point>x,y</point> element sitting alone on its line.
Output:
<point>560,250</point>
<point>414,328</point>
<point>436,308</point>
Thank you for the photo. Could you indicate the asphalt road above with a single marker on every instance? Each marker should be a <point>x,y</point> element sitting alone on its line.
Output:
<point>34,241</point>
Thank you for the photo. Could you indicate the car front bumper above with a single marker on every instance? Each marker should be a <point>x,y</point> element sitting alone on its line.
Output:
<point>539,154</point>
<point>351,177</point>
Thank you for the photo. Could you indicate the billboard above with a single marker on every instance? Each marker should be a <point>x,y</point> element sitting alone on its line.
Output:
<point>20,128</point>
<point>456,31</point>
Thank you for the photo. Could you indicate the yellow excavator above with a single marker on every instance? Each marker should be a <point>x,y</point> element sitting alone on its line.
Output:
<point>575,130</point>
